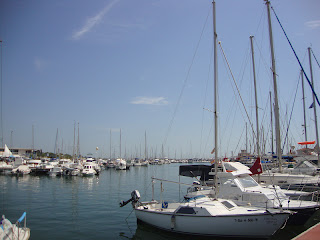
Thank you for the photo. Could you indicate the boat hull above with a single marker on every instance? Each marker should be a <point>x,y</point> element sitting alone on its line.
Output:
<point>257,226</point>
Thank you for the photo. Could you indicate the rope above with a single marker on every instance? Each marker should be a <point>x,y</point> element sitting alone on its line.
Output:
<point>315,58</point>
<point>285,139</point>
<point>185,83</point>
<point>237,87</point>
<point>314,93</point>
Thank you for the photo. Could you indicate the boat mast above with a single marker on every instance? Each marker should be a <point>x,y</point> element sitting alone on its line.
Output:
<point>256,100</point>
<point>304,109</point>
<point>145,145</point>
<point>215,95</point>
<point>120,143</point>
<point>110,145</point>
<point>275,92</point>
<point>314,108</point>
<point>74,140</point>
<point>255,93</point>
<point>272,150</point>
<point>78,143</point>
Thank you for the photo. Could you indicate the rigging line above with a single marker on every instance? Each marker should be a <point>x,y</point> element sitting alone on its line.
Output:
<point>304,73</point>
<point>239,140</point>
<point>262,58</point>
<point>295,97</point>
<point>234,103</point>
<point>185,82</point>
<point>237,88</point>
<point>205,98</point>
<point>315,58</point>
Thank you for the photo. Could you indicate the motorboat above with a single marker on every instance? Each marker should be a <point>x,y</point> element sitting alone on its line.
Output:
<point>235,183</point>
<point>55,171</point>
<point>22,169</point>
<point>5,167</point>
<point>121,164</point>
<point>14,231</point>
<point>88,169</point>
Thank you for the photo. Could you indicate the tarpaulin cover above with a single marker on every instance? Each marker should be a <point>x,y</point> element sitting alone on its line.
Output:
<point>195,171</point>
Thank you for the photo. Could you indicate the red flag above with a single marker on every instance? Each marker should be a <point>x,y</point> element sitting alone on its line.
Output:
<point>256,167</point>
<point>213,150</point>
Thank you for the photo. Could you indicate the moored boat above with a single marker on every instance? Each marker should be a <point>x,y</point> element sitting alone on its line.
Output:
<point>14,231</point>
<point>206,216</point>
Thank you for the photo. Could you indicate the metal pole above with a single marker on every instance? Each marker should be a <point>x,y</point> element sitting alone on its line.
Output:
<point>276,104</point>
<point>272,150</point>
<point>314,108</point>
<point>256,100</point>
<point>304,109</point>
<point>215,95</point>
<point>2,137</point>
<point>255,93</point>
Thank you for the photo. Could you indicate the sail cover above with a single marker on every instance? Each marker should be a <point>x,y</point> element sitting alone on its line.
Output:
<point>307,142</point>
<point>195,171</point>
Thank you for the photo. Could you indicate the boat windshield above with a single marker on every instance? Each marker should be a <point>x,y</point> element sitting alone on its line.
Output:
<point>247,181</point>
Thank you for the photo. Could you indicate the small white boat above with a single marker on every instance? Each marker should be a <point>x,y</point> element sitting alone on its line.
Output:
<point>22,169</point>
<point>55,171</point>
<point>88,169</point>
<point>14,231</point>
<point>121,164</point>
<point>5,167</point>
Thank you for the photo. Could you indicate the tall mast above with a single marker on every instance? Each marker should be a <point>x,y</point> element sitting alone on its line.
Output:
<point>215,95</point>
<point>74,139</point>
<point>247,139</point>
<point>304,109</point>
<point>120,143</point>
<point>256,98</point>
<point>275,92</point>
<point>78,144</point>
<point>145,145</point>
<point>314,108</point>
<point>1,96</point>
<point>32,139</point>
<point>271,123</point>
<point>110,144</point>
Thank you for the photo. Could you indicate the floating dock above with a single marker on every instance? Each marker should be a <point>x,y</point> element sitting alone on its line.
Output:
<point>310,234</point>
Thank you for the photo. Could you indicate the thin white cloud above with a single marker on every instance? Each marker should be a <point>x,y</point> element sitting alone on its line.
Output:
<point>93,21</point>
<point>313,24</point>
<point>150,101</point>
<point>39,64</point>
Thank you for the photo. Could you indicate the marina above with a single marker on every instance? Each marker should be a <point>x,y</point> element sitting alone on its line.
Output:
<point>119,192</point>
<point>74,207</point>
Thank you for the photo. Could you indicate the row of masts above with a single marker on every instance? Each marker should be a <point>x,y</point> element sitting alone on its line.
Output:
<point>275,94</point>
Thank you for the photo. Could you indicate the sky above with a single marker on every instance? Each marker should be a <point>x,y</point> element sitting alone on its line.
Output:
<point>146,67</point>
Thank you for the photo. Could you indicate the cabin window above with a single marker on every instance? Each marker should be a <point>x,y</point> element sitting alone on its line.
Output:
<point>227,204</point>
<point>247,182</point>
<point>186,210</point>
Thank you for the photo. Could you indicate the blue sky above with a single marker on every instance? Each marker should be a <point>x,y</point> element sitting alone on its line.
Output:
<point>146,66</point>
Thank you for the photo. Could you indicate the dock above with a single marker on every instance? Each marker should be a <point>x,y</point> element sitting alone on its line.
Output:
<point>310,234</point>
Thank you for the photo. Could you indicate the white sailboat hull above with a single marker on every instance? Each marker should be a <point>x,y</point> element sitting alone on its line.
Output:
<point>256,226</point>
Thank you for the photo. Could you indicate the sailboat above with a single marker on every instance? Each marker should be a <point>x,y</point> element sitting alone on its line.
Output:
<point>205,215</point>
<point>121,164</point>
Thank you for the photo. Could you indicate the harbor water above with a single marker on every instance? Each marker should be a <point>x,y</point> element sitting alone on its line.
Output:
<point>88,207</point>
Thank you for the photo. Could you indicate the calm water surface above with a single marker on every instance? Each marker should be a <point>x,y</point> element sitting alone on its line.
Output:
<point>88,207</point>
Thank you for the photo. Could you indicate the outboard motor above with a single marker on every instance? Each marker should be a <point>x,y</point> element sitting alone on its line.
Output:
<point>135,196</point>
